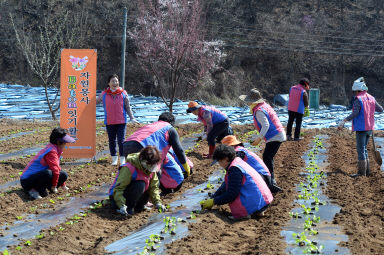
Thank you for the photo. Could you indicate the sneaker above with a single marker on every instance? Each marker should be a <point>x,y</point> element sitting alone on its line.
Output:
<point>114,160</point>
<point>289,138</point>
<point>298,139</point>
<point>122,160</point>
<point>34,194</point>
<point>238,219</point>
<point>65,187</point>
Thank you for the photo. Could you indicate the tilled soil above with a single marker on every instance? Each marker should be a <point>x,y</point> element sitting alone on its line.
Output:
<point>213,233</point>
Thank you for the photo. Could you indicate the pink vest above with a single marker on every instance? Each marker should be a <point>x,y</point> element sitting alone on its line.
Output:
<point>296,101</point>
<point>275,126</point>
<point>155,134</point>
<point>254,193</point>
<point>114,108</point>
<point>365,121</point>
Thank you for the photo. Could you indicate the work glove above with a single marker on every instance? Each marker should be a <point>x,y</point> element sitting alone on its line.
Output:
<point>160,207</point>
<point>306,112</point>
<point>341,125</point>
<point>257,141</point>
<point>187,169</point>
<point>207,204</point>
<point>123,210</point>
<point>54,189</point>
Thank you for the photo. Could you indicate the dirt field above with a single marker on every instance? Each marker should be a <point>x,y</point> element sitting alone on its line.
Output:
<point>361,217</point>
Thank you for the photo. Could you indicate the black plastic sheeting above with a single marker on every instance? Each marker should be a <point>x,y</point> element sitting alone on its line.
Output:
<point>26,102</point>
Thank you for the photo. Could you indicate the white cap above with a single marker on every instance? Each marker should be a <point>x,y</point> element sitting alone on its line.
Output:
<point>359,85</point>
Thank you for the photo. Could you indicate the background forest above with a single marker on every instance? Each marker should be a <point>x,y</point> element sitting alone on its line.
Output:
<point>268,44</point>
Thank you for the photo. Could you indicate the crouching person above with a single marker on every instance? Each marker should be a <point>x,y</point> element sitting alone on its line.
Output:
<point>171,177</point>
<point>252,159</point>
<point>136,182</point>
<point>243,188</point>
<point>43,172</point>
<point>189,163</point>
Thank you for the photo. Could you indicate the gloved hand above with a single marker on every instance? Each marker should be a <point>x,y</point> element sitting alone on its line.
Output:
<point>341,125</point>
<point>207,204</point>
<point>160,207</point>
<point>123,210</point>
<point>134,121</point>
<point>306,112</point>
<point>257,141</point>
<point>54,189</point>
<point>187,168</point>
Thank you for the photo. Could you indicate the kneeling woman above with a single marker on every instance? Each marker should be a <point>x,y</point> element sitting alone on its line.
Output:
<point>243,188</point>
<point>44,171</point>
<point>136,182</point>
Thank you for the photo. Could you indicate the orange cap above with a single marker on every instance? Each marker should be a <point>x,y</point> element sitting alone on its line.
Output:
<point>192,105</point>
<point>230,140</point>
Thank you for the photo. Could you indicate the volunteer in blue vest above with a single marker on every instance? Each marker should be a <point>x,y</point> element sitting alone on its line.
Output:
<point>363,122</point>
<point>161,134</point>
<point>189,162</point>
<point>171,176</point>
<point>216,123</point>
<point>268,125</point>
<point>243,188</point>
<point>136,182</point>
<point>43,171</point>
<point>297,107</point>
<point>251,159</point>
<point>116,107</point>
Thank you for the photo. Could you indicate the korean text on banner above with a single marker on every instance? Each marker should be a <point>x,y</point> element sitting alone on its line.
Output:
<point>78,101</point>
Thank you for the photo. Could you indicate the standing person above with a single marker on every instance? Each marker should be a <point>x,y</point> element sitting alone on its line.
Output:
<point>243,188</point>
<point>251,159</point>
<point>297,107</point>
<point>43,171</point>
<point>268,125</point>
<point>116,107</point>
<point>136,182</point>
<point>216,123</point>
<point>161,134</point>
<point>363,122</point>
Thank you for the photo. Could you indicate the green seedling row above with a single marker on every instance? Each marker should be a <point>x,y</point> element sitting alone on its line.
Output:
<point>308,192</point>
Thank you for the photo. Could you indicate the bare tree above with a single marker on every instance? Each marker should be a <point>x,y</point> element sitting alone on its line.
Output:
<point>41,47</point>
<point>170,45</point>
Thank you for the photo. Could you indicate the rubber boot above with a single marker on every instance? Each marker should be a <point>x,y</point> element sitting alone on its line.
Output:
<point>361,168</point>
<point>211,150</point>
<point>122,160</point>
<point>367,170</point>
<point>114,160</point>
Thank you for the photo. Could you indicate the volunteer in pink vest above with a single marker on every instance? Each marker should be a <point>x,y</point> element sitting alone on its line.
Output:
<point>171,176</point>
<point>116,107</point>
<point>363,122</point>
<point>161,134</point>
<point>216,124</point>
<point>136,182</point>
<point>251,159</point>
<point>297,107</point>
<point>243,188</point>
<point>269,127</point>
<point>43,171</point>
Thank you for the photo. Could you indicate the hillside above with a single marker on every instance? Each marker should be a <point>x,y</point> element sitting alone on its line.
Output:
<point>269,44</point>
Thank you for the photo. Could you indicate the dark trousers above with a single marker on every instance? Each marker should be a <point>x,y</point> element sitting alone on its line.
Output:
<point>270,151</point>
<point>165,191</point>
<point>116,131</point>
<point>131,147</point>
<point>135,196</point>
<point>299,119</point>
<point>218,132</point>
<point>42,181</point>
